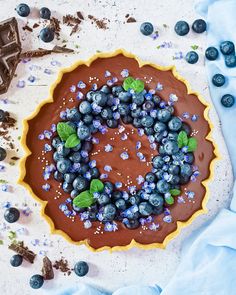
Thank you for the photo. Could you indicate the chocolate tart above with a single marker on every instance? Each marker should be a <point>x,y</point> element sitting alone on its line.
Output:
<point>190,107</point>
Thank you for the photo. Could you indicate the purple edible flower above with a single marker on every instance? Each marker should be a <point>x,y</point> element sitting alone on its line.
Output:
<point>184,149</point>
<point>95,140</point>
<point>125,196</point>
<point>92,164</point>
<point>79,95</point>
<point>167,219</point>
<point>81,85</point>
<point>132,189</point>
<point>180,200</point>
<point>118,184</point>
<point>194,118</point>
<point>107,74</point>
<point>140,179</point>
<point>84,215</point>
<point>138,145</point>
<point>107,168</point>
<point>48,71</point>
<point>84,154</point>
<point>173,97</point>
<point>94,86</point>
<point>46,187</point>
<point>53,128</point>
<point>185,115</point>
<point>20,84</point>
<point>108,148</point>
<point>159,87</point>
<point>148,96</point>
<point>153,113</point>
<point>124,136</point>
<point>47,147</point>
<point>140,131</point>
<point>116,115</point>
<point>109,82</point>
<point>87,224</point>
<point>154,226</point>
<point>124,156</point>
<point>63,115</point>
<point>47,134</point>
<point>96,123</point>
<point>31,79</point>
<point>153,146</point>
<point>103,129</point>
<point>41,137</point>
<point>124,73</point>
<point>114,79</point>
<point>103,176</point>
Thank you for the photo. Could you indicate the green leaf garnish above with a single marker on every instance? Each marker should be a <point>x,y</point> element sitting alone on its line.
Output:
<point>64,130</point>
<point>182,139</point>
<point>194,47</point>
<point>12,235</point>
<point>192,144</point>
<point>83,200</point>
<point>127,83</point>
<point>72,141</point>
<point>96,185</point>
<point>170,200</point>
<point>1,242</point>
<point>137,86</point>
<point>175,192</point>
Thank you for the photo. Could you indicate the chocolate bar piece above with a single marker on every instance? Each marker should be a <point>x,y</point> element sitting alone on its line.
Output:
<point>10,49</point>
<point>24,251</point>
<point>47,270</point>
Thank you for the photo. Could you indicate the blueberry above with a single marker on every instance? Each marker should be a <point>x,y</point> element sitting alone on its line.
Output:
<point>175,124</point>
<point>150,177</point>
<point>83,168</point>
<point>178,156</point>
<point>211,53</point>
<point>161,150</point>
<point>80,183</point>
<point>36,281</point>
<point>137,122</point>
<point>127,119</point>
<point>132,223</point>
<point>227,47</point>
<point>186,170</point>
<point>175,179</point>
<point>55,142</point>
<point>72,124</point>
<point>112,123</point>
<point>186,128</point>
<point>87,146</point>
<point>116,195</point>
<point>159,136</point>
<point>74,193</point>
<point>123,109</point>
<point>94,173</point>
<point>163,186</point>
<point>2,116</point>
<point>145,208</point>
<point>124,96</point>
<point>148,105</point>
<point>135,200</point>
<point>189,158</point>
<point>46,34</point>
<point>230,61</point>
<point>23,10</point>
<point>78,209</point>
<point>173,169</point>
<point>159,174</point>
<point>85,107</point>
<point>16,260</point>
<point>57,157</point>
<point>11,215</point>
<point>67,187</point>
<point>191,57</point>
<point>173,136</point>
<point>100,98</point>
<point>108,187</point>
<point>164,115</point>
<point>73,115</point>
<point>63,165</point>
<point>218,80</point>
<point>116,90</point>
<point>157,162</point>
<point>148,131</point>
<point>83,132</point>
<point>109,212</point>
<point>138,98</point>
<point>3,154</point>
<point>156,99</point>
<point>69,177</point>
<point>199,26</point>
<point>227,100</point>
<point>89,96</point>
<point>45,13</point>
<point>120,204</point>
<point>147,121</point>
<point>184,179</point>
<point>62,150</point>
<point>106,113</point>
<point>157,210</point>
<point>103,199</point>
<point>81,268</point>
<point>136,113</point>
<point>58,176</point>
<point>105,89</point>
<point>181,28</point>
<point>159,127</point>
<point>156,200</point>
<point>146,28</point>
<point>87,119</point>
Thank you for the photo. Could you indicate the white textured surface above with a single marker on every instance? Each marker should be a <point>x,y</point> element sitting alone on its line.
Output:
<point>107,270</point>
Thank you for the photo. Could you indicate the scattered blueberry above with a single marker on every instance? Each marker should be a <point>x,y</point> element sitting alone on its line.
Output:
<point>45,13</point>
<point>227,100</point>
<point>218,80</point>
<point>230,61</point>
<point>145,208</point>
<point>171,147</point>
<point>191,57</point>
<point>211,53</point>
<point>11,215</point>
<point>146,28</point>
<point>2,116</point>
<point>46,34</point>
<point>23,10</point>
<point>85,107</point>
<point>156,200</point>
<point>175,124</point>
<point>36,281</point>
<point>227,47</point>
<point>131,223</point>
<point>199,26</point>
<point>83,132</point>
<point>16,260</point>
<point>63,165</point>
<point>3,154</point>
<point>81,268</point>
<point>181,28</point>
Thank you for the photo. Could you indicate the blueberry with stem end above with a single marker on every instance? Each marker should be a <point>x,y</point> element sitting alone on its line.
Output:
<point>36,281</point>
<point>23,10</point>
<point>11,215</point>
<point>131,223</point>
<point>81,268</point>
<point>199,26</point>
<point>45,13</point>
<point>191,57</point>
<point>16,260</point>
<point>3,154</point>
<point>227,100</point>
<point>211,53</point>
<point>2,116</point>
<point>230,61</point>
<point>46,34</point>
<point>146,28</point>
<point>218,80</point>
<point>227,47</point>
<point>181,28</point>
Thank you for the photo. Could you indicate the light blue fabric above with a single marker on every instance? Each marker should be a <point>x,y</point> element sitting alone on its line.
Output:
<point>208,265</point>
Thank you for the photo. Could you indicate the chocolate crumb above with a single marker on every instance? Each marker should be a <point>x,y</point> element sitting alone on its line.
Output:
<point>47,270</point>
<point>24,251</point>
<point>35,26</point>
<point>80,15</point>
<point>62,265</point>
<point>55,25</point>
<point>74,29</point>
<point>15,158</point>
<point>127,15</point>
<point>71,20</point>
<point>131,20</point>
<point>100,23</point>
<point>27,28</point>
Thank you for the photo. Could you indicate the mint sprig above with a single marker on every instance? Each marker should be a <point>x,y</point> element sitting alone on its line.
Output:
<point>130,83</point>
<point>169,200</point>
<point>184,140</point>
<point>86,199</point>
<point>67,134</point>
<point>175,192</point>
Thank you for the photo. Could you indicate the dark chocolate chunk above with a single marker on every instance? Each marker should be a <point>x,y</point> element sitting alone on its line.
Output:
<point>131,20</point>
<point>10,49</point>
<point>24,251</point>
<point>62,265</point>
<point>41,52</point>
<point>47,270</point>
<point>80,15</point>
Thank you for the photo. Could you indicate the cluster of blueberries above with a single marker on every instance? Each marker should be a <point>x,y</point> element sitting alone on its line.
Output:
<point>46,34</point>
<point>109,106</point>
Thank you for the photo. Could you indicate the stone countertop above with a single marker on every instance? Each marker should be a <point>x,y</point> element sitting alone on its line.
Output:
<point>109,271</point>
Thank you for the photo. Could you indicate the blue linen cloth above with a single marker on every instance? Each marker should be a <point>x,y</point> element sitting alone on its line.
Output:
<point>208,264</point>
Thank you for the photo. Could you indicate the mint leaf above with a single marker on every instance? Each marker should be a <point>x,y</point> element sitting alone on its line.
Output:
<point>127,83</point>
<point>170,200</point>
<point>64,130</point>
<point>137,85</point>
<point>1,242</point>
<point>194,47</point>
<point>192,144</point>
<point>72,141</point>
<point>83,200</point>
<point>175,192</point>
<point>182,139</point>
<point>96,185</point>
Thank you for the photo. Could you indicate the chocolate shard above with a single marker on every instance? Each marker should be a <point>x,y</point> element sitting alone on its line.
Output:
<point>41,52</point>
<point>131,20</point>
<point>80,15</point>
<point>24,251</point>
<point>47,270</point>
<point>10,49</point>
